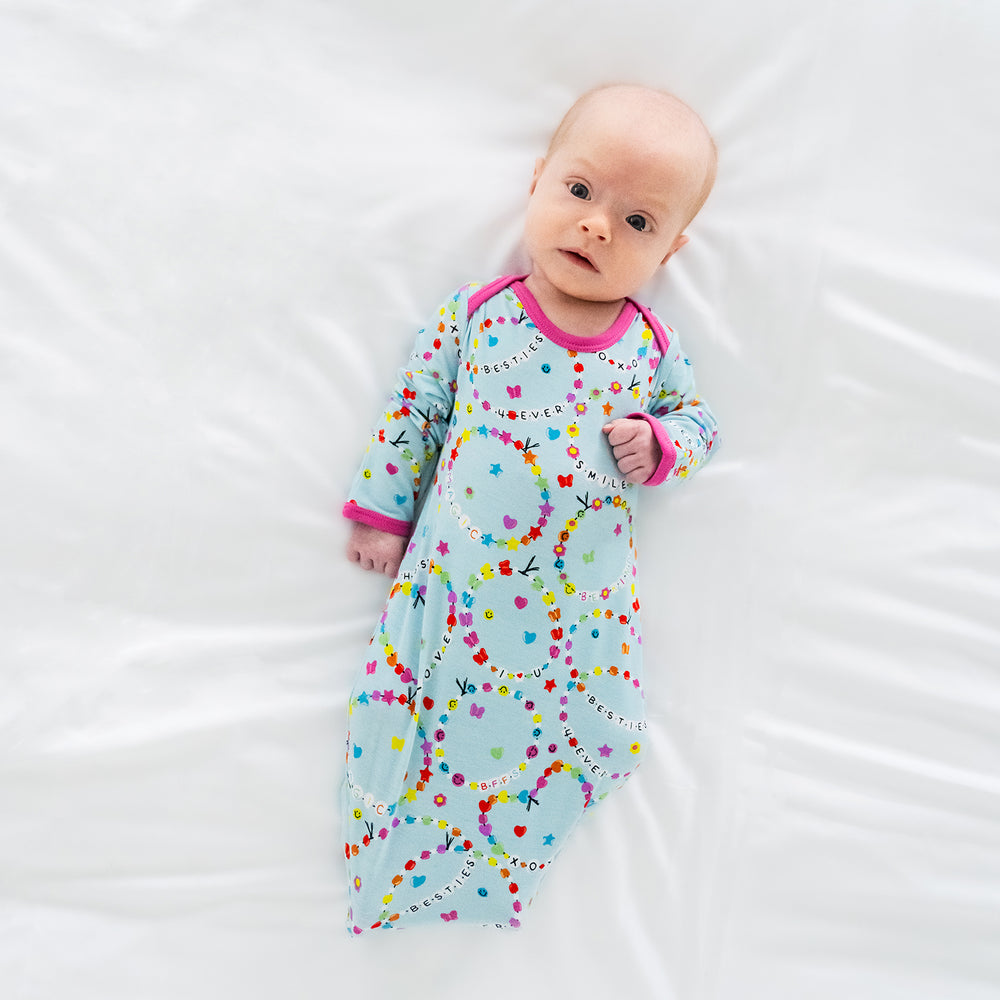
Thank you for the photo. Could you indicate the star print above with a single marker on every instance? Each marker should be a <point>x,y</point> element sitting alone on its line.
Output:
<point>425,774</point>
<point>607,409</point>
<point>618,529</point>
<point>426,746</point>
<point>363,698</point>
<point>546,508</point>
<point>443,547</point>
<point>505,437</point>
<point>605,750</point>
<point>483,430</point>
<point>495,470</point>
<point>550,685</point>
<point>487,540</point>
<point>549,840</point>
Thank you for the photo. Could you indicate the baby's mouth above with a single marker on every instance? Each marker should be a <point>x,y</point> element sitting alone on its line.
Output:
<point>580,259</point>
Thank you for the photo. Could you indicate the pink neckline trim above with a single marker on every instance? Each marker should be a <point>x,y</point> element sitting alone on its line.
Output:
<point>572,341</point>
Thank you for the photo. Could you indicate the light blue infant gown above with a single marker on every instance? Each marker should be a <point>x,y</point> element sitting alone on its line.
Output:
<point>502,696</point>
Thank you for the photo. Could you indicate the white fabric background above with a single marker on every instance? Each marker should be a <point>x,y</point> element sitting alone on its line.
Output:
<point>221,224</point>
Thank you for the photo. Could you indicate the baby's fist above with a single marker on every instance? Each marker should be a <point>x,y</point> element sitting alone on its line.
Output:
<point>376,550</point>
<point>636,450</point>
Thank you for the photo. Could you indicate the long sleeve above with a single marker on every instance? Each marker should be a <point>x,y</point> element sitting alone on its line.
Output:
<point>399,463</point>
<point>684,426</point>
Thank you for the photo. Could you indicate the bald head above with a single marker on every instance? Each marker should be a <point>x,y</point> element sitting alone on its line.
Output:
<point>654,113</point>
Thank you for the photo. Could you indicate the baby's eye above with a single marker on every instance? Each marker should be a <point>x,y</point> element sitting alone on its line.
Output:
<point>637,222</point>
<point>578,190</point>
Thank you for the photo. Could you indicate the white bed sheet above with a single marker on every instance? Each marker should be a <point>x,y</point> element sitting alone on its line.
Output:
<point>221,224</point>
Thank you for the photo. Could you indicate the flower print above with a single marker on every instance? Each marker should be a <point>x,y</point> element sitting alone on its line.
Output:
<point>440,800</point>
<point>635,747</point>
<point>616,387</point>
<point>572,451</point>
<point>357,883</point>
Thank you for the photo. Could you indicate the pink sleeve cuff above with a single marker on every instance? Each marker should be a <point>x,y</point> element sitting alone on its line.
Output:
<point>373,519</point>
<point>668,453</point>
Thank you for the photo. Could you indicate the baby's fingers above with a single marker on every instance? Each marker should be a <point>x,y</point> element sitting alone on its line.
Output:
<point>631,463</point>
<point>622,431</point>
<point>623,451</point>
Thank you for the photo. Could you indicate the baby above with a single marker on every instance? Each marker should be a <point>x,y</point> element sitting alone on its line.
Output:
<point>503,693</point>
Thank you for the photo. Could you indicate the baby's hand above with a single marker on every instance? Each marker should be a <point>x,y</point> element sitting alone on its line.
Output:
<point>636,449</point>
<point>380,551</point>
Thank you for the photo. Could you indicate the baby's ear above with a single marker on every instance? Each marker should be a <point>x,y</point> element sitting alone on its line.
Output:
<point>539,167</point>
<point>678,243</point>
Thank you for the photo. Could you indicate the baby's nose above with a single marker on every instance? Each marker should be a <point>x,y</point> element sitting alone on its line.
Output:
<point>597,226</point>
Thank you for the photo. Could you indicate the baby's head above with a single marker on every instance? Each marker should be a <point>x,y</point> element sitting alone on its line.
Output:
<point>627,170</point>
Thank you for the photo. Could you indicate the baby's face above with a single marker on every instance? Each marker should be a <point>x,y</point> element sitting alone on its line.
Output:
<point>609,204</point>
